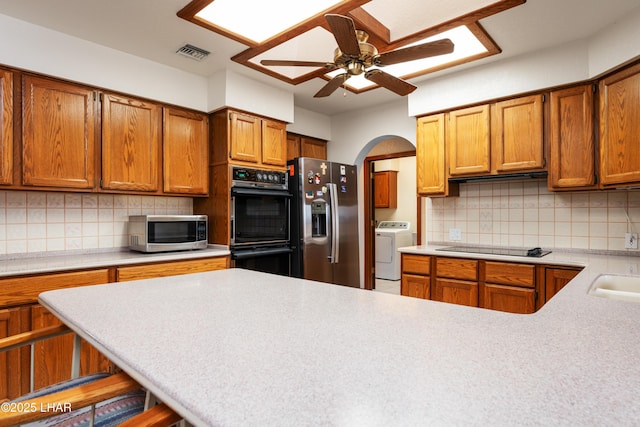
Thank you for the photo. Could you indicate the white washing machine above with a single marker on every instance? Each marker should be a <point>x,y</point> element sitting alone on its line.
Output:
<point>391,235</point>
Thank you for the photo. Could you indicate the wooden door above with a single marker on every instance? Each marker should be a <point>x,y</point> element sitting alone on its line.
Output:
<point>58,134</point>
<point>620,127</point>
<point>556,279</point>
<point>414,285</point>
<point>315,148</point>
<point>469,141</point>
<point>571,142</point>
<point>454,291</point>
<point>431,173</point>
<point>14,364</point>
<point>509,298</point>
<point>274,143</point>
<point>518,137</point>
<point>185,150</point>
<point>130,144</point>
<point>245,137</point>
<point>6,127</point>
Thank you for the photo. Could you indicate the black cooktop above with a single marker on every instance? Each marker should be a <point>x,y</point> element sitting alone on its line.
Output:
<point>533,253</point>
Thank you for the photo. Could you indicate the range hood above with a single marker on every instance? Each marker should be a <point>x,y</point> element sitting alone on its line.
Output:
<point>510,176</point>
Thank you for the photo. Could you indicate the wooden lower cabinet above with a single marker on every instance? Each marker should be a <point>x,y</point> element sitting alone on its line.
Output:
<point>462,292</point>
<point>13,363</point>
<point>504,286</point>
<point>174,268</point>
<point>414,285</point>
<point>511,299</point>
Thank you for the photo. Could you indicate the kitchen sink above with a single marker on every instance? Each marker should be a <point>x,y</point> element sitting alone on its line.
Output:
<point>612,286</point>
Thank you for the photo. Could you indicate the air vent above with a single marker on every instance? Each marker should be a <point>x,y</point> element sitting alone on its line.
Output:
<point>193,52</point>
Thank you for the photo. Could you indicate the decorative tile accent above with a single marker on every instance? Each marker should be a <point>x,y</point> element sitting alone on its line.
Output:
<point>34,221</point>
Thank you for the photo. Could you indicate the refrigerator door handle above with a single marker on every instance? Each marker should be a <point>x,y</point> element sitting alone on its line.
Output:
<point>335,223</point>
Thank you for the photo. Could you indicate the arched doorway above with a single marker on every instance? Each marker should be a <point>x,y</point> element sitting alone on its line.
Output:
<point>384,150</point>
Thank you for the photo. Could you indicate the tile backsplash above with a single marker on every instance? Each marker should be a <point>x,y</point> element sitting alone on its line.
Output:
<point>526,214</point>
<point>34,221</point>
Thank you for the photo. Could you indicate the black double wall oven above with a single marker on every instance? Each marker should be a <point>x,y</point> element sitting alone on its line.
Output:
<point>260,204</point>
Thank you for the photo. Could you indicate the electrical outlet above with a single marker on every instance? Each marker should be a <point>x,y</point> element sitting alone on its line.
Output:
<point>455,234</point>
<point>631,240</point>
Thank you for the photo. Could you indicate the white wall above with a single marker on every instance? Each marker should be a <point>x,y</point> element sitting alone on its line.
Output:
<point>310,123</point>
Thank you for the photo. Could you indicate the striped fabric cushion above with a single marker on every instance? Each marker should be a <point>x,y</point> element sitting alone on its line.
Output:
<point>110,412</point>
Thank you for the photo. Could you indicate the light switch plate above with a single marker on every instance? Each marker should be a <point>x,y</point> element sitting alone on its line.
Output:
<point>455,234</point>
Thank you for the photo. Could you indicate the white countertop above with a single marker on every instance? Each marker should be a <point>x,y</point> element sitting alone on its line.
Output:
<point>78,260</point>
<point>236,347</point>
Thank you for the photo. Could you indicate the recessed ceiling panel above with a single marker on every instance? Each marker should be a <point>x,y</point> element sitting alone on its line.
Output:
<point>416,15</point>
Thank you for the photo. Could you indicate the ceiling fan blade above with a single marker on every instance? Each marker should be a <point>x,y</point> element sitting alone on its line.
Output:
<point>285,63</point>
<point>425,50</point>
<point>344,30</point>
<point>390,82</point>
<point>332,85</point>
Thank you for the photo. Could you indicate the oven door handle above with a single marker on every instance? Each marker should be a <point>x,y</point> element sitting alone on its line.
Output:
<point>252,253</point>
<point>242,191</point>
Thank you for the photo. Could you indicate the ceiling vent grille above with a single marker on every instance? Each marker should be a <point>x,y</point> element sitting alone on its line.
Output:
<point>193,52</point>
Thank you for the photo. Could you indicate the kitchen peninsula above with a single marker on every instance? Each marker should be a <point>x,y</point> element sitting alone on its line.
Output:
<point>237,347</point>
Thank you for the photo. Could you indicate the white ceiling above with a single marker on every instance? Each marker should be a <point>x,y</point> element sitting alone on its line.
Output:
<point>150,29</point>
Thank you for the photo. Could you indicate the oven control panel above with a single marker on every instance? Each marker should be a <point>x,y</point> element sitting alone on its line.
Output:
<point>245,177</point>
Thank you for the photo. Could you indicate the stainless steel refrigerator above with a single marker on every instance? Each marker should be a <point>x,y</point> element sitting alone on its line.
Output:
<point>324,221</point>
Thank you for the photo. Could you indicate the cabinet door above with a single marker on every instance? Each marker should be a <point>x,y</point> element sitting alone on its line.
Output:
<point>185,150</point>
<point>386,189</point>
<point>509,298</point>
<point>52,357</point>
<point>14,364</point>
<point>571,142</point>
<point>518,137</point>
<point>293,146</point>
<point>414,285</point>
<point>469,141</point>
<point>130,144</point>
<point>456,292</point>
<point>6,127</point>
<point>58,134</point>
<point>315,148</point>
<point>274,143</point>
<point>245,137</point>
<point>431,174</point>
<point>556,279</point>
<point>620,127</point>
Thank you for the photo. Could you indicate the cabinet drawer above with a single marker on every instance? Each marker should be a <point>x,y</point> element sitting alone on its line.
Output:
<point>139,272</point>
<point>456,268</point>
<point>417,264</point>
<point>25,290</point>
<point>510,274</point>
<point>416,286</point>
<point>509,299</point>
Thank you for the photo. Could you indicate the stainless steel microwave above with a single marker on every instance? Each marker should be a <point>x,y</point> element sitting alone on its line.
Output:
<point>162,233</point>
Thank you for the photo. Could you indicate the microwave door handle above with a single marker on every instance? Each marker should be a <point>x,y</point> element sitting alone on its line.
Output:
<point>335,223</point>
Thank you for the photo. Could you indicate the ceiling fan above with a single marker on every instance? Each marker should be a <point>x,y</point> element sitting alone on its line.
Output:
<point>354,55</point>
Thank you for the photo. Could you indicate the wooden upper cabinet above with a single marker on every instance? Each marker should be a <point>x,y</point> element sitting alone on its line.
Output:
<point>58,134</point>
<point>130,144</point>
<point>619,128</point>
<point>469,141</point>
<point>245,137</point>
<point>386,189</point>
<point>518,142</point>
<point>431,157</point>
<point>571,139</point>
<point>185,151</point>
<point>6,127</point>
<point>305,146</point>
<point>274,147</point>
